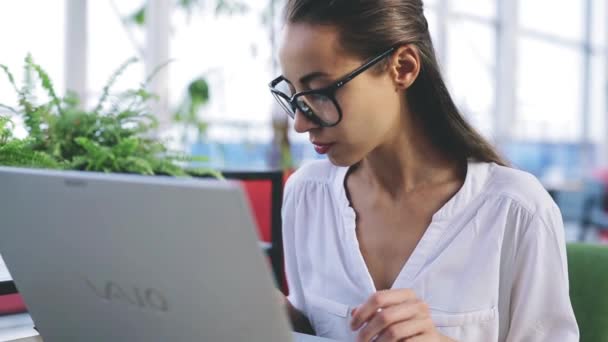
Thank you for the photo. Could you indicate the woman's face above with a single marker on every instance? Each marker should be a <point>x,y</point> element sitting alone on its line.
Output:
<point>312,58</point>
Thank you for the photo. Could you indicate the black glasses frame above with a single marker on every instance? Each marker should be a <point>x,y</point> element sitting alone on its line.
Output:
<point>329,92</point>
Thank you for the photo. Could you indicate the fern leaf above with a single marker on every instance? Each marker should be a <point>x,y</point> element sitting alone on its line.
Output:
<point>11,79</point>
<point>111,81</point>
<point>47,84</point>
<point>156,71</point>
<point>205,172</point>
<point>126,147</point>
<point>9,108</point>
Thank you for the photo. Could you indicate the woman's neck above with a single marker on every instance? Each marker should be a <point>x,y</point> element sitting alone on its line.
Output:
<point>407,162</point>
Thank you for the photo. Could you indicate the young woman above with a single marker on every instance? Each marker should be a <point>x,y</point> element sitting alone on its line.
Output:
<point>413,229</point>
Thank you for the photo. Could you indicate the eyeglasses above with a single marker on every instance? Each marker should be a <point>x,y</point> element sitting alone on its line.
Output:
<point>320,105</point>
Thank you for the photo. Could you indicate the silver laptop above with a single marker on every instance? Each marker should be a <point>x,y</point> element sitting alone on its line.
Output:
<point>130,258</point>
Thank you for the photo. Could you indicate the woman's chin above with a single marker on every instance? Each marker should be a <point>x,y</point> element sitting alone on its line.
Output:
<point>341,159</point>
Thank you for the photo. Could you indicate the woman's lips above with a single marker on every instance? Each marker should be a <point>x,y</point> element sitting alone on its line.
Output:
<point>322,148</point>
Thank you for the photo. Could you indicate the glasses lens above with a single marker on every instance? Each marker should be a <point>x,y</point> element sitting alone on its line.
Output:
<point>285,105</point>
<point>321,106</point>
<point>283,87</point>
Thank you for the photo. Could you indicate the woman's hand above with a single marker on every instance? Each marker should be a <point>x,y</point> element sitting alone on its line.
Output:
<point>395,315</point>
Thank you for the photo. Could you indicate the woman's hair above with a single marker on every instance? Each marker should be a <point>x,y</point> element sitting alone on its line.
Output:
<point>369,27</point>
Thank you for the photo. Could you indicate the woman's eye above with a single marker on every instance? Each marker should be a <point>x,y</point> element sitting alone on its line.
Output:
<point>320,98</point>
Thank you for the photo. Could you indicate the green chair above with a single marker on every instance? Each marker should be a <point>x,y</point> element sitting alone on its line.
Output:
<point>588,270</point>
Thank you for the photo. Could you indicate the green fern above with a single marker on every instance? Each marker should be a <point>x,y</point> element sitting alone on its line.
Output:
<point>8,74</point>
<point>9,108</point>
<point>6,127</point>
<point>114,138</point>
<point>30,112</point>
<point>47,84</point>
<point>111,81</point>
<point>20,153</point>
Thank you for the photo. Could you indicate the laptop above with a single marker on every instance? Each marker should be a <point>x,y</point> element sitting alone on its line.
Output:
<point>109,257</point>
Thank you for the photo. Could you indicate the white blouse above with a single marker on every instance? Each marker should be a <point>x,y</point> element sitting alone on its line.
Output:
<point>491,266</point>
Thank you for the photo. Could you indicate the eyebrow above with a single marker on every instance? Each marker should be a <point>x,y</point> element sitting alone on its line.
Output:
<point>309,77</point>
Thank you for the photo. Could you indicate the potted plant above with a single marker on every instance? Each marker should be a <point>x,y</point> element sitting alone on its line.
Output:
<point>117,135</point>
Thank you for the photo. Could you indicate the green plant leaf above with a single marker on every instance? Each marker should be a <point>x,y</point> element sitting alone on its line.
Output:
<point>8,74</point>
<point>205,172</point>
<point>139,16</point>
<point>6,129</point>
<point>126,147</point>
<point>198,90</point>
<point>111,81</point>
<point>155,72</point>
<point>47,84</point>
<point>9,108</point>
<point>138,165</point>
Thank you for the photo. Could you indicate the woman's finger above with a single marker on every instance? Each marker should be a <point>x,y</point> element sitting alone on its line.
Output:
<point>409,310</point>
<point>419,338</point>
<point>412,330</point>
<point>380,300</point>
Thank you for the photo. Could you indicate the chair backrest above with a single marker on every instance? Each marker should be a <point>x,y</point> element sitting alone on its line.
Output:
<point>265,193</point>
<point>588,270</point>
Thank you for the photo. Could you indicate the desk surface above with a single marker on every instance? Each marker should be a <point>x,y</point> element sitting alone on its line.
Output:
<point>29,339</point>
<point>297,338</point>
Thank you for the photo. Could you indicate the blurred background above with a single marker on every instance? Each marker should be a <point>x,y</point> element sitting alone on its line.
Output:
<point>530,75</point>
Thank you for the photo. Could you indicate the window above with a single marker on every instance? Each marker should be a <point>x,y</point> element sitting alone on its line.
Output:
<point>35,27</point>
<point>559,18</point>
<point>598,117</point>
<point>481,8</point>
<point>599,27</point>
<point>237,62</point>
<point>111,43</point>
<point>431,18</point>
<point>467,55</point>
<point>470,70</point>
<point>549,85</point>
<point>555,101</point>
<point>550,62</point>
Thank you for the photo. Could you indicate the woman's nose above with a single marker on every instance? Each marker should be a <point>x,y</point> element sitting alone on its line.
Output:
<point>303,124</point>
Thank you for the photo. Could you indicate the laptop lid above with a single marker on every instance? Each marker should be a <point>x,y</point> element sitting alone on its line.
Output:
<point>101,257</point>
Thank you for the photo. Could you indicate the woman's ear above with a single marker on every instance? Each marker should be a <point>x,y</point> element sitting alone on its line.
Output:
<point>404,66</point>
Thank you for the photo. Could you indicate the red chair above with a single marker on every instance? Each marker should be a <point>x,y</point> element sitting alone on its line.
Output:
<point>264,190</point>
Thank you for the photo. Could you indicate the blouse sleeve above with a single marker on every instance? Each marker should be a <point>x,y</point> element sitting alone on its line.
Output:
<point>540,302</point>
<point>296,296</point>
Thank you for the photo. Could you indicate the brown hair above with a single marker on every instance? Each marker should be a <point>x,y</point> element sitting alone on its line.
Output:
<point>369,27</point>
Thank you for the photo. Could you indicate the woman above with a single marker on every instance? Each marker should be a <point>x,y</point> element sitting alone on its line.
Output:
<point>414,229</point>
